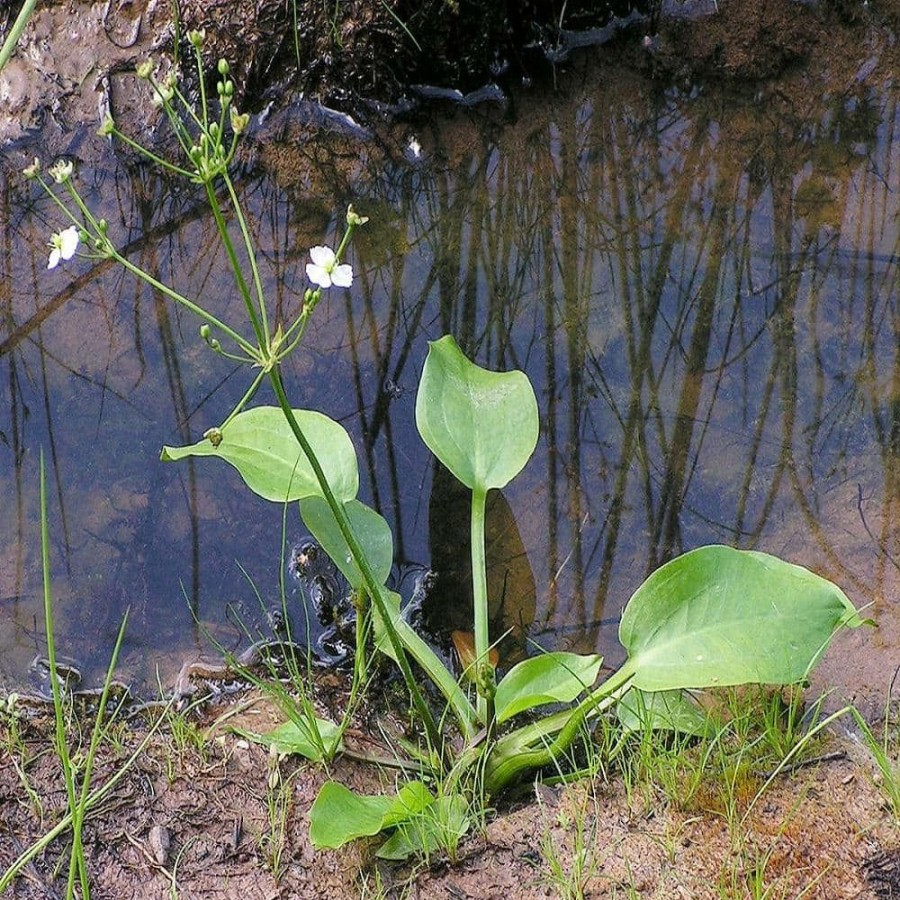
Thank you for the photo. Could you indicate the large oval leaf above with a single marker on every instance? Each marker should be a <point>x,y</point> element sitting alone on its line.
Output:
<point>549,678</point>
<point>261,446</point>
<point>482,425</point>
<point>370,529</point>
<point>719,616</point>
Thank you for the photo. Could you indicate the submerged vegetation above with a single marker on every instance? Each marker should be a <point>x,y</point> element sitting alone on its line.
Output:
<point>712,618</point>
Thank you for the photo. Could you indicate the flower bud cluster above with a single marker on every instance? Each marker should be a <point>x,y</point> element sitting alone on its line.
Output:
<point>61,171</point>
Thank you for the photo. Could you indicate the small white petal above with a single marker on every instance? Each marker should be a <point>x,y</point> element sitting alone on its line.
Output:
<point>54,258</point>
<point>68,242</point>
<point>318,275</point>
<point>342,276</point>
<point>322,256</point>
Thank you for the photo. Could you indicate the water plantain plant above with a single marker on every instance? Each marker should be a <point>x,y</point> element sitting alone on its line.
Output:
<point>715,616</point>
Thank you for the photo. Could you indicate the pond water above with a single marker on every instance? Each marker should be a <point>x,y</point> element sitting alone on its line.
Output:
<point>700,282</point>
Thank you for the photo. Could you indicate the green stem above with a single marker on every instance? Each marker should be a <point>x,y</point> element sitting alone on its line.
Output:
<point>97,731</point>
<point>261,335</point>
<point>9,45</point>
<point>343,244</point>
<point>147,154</point>
<point>300,323</point>
<point>41,844</point>
<point>248,394</point>
<point>400,635</point>
<point>484,675</point>
<point>244,344</point>
<point>359,674</point>
<point>89,218</point>
<point>203,104</point>
<point>442,678</point>
<point>359,557</point>
<point>62,747</point>
<point>515,753</point>
<point>61,741</point>
<point>251,254</point>
<point>79,223</point>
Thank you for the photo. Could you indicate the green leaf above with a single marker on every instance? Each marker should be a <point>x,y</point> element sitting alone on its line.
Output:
<point>261,446</point>
<point>441,825</point>
<point>296,737</point>
<point>371,530</point>
<point>664,710</point>
<point>718,616</point>
<point>339,816</point>
<point>412,798</point>
<point>549,678</point>
<point>482,425</point>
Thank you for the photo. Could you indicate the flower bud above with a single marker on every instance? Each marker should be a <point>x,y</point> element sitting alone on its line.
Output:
<point>223,67</point>
<point>354,219</point>
<point>108,126</point>
<point>239,121</point>
<point>205,331</point>
<point>33,170</point>
<point>144,69</point>
<point>197,37</point>
<point>163,93</point>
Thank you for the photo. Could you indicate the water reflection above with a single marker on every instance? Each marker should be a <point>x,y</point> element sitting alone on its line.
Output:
<point>701,287</point>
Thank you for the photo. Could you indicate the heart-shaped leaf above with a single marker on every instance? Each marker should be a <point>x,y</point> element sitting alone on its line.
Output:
<point>482,425</point>
<point>261,446</point>
<point>549,678</point>
<point>719,616</point>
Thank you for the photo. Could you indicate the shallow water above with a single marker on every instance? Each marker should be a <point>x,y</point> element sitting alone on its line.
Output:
<point>701,284</point>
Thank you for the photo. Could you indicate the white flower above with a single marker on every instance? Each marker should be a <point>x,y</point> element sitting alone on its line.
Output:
<point>63,246</point>
<point>323,271</point>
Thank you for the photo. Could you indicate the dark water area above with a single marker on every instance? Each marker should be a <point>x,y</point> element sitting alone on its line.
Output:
<point>700,283</point>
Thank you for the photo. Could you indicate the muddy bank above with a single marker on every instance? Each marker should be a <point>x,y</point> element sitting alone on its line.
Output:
<point>75,61</point>
<point>203,813</point>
